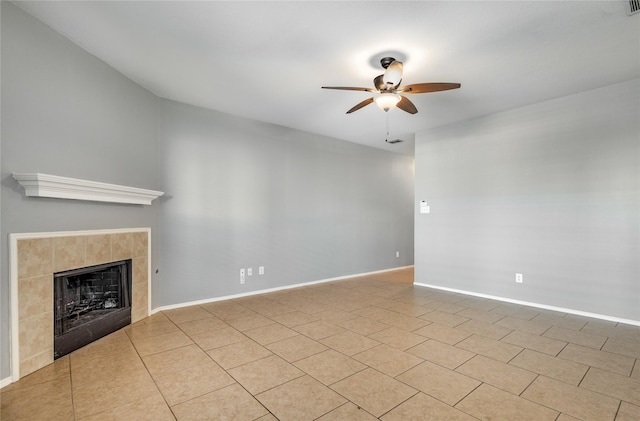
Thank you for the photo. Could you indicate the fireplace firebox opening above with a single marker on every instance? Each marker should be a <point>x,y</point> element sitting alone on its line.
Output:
<point>90,303</point>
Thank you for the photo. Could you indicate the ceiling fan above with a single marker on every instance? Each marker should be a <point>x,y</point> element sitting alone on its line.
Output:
<point>388,89</point>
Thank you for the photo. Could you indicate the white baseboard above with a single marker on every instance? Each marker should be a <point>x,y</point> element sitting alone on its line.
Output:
<point>5,382</point>
<point>537,305</point>
<point>264,291</point>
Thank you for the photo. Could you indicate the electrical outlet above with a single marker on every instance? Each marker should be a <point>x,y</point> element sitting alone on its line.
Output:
<point>249,271</point>
<point>397,254</point>
<point>519,278</point>
<point>261,270</point>
<point>241,276</point>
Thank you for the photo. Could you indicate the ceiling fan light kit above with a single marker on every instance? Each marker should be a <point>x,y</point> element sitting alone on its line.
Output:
<point>387,100</point>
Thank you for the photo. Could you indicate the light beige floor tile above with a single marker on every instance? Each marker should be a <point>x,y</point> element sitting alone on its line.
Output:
<point>59,368</point>
<point>272,309</point>
<point>447,307</point>
<point>41,401</point>
<point>296,348</point>
<point>575,401</point>
<point>398,338</point>
<point>374,313</point>
<point>503,376</point>
<point>329,366</point>
<point>558,319</point>
<point>301,399</point>
<point>373,391</point>
<point>348,412</point>
<point>478,303</point>
<point>318,330</point>
<point>229,403</point>
<point>490,348</point>
<point>388,360</point>
<point>437,352</point>
<point>565,417</point>
<point>478,327</point>
<point>294,318</point>
<point>218,338</point>
<point>97,396</point>
<point>476,314</point>
<point>239,353</point>
<point>535,342</point>
<point>151,408</point>
<point>362,325</point>
<point>225,310</point>
<point>442,333</point>
<point>424,408</point>
<point>349,343</point>
<point>155,344</point>
<point>147,330</point>
<point>412,310</point>
<point>614,385</point>
<point>578,338</point>
<point>271,333</point>
<point>117,344</point>
<point>186,314</point>
<point>439,382</point>
<point>516,311</point>
<point>183,385</point>
<point>526,326</point>
<point>175,360</point>
<point>636,371</point>
<point>195,327</point>
<point>404,322</point>
<point>600,359</point>
<point>444,318</point>
<point>566,371</point>
<point>267,417</point>
<point>117,367</point>
<point>490,403</point>
<point>249,322</point>
<point>336,315</point>
<point>623,347</point>
<point>628,412</point>
<point>261,375</point>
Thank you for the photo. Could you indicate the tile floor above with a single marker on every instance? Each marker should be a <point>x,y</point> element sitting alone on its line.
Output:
<point>366,348</point>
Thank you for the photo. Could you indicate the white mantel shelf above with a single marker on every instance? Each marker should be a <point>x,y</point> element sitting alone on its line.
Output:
<point>46,185</point>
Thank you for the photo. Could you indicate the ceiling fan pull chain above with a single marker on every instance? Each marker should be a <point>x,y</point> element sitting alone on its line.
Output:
<point>387,139</point>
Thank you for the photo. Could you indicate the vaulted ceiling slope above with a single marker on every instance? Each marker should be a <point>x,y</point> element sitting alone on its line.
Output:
<point>267,60</point>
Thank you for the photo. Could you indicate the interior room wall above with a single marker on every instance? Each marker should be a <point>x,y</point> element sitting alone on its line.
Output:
<point>550,191</point>
<point>244,194</point>
<point>64,112</point>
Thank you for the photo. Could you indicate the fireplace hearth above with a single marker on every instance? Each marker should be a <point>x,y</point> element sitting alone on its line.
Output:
<point>90,303</point>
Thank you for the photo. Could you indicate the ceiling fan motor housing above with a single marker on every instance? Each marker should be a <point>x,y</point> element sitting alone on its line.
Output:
<point>386,61</point>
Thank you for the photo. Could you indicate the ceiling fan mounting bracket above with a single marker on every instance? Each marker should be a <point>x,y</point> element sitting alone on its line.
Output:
<point>386,61</point>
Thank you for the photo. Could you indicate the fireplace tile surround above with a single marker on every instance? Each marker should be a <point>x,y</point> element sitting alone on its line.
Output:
<point>34,260</point>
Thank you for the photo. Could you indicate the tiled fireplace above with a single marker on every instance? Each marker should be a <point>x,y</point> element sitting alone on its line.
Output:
<point>35,258</point>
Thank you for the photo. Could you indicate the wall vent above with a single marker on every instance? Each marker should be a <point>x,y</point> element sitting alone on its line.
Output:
<point>634,7</point>
<point>400,140</point>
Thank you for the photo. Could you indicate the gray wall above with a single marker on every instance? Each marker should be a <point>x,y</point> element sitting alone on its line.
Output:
<point>550,190</point>
<point>66,113</point>
<point>241,194</point>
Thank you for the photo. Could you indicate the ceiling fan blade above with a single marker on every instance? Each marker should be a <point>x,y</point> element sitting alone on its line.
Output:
<point>406,105</point>
<point>360,105</point>
<point>349,88</point>
<point>378,82</point>
<point>421,88</point>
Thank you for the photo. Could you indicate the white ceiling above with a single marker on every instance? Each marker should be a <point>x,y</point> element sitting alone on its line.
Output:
<point>267,60</point>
